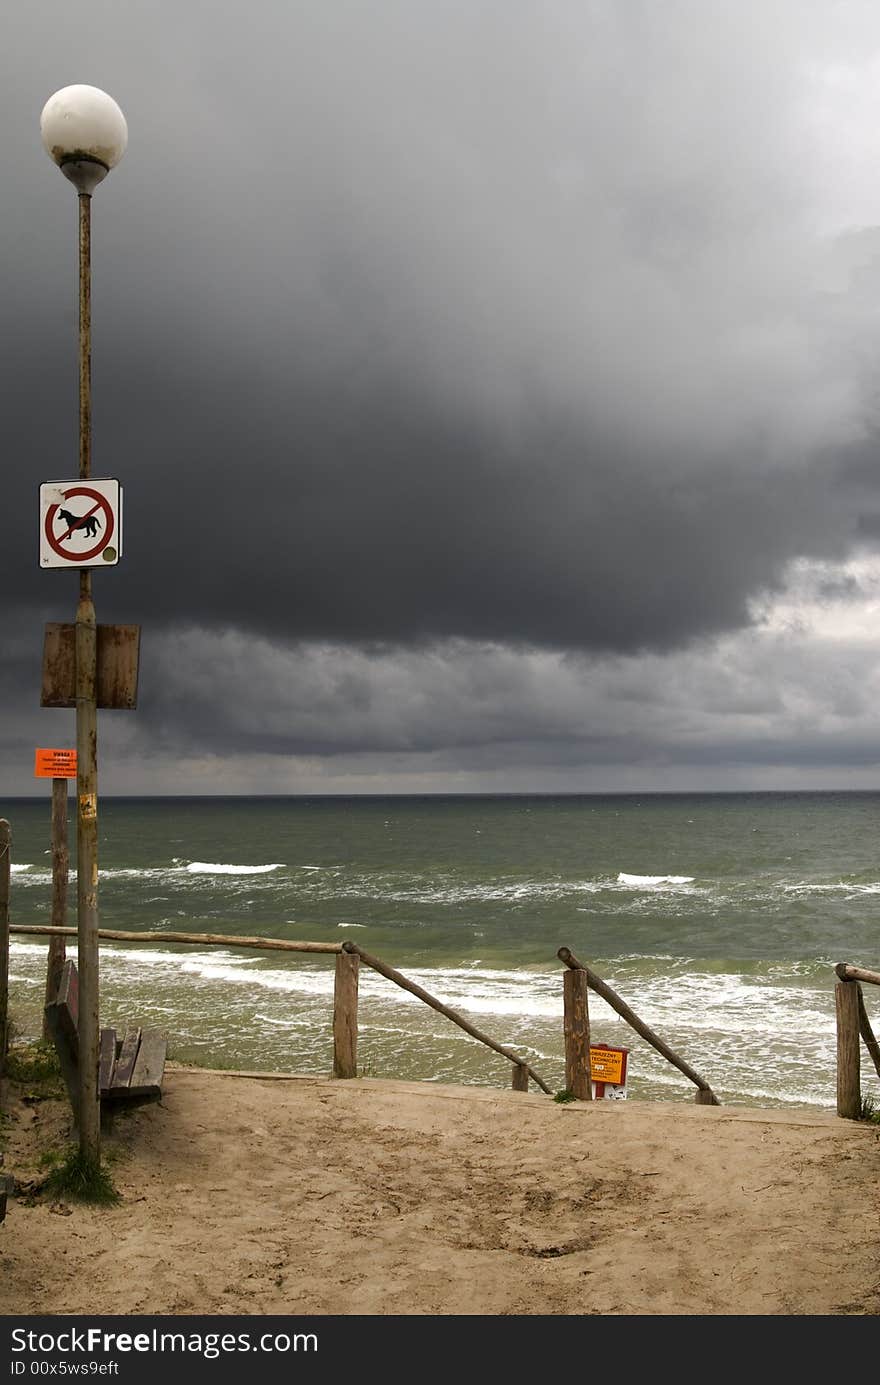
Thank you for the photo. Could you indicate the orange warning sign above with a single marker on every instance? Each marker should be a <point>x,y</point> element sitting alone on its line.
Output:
<point>608,1064</point>
<point>55,764</point>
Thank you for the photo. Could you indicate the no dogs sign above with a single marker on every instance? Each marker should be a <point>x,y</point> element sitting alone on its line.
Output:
<point>80,523</point>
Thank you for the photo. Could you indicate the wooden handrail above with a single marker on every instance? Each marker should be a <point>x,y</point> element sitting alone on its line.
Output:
<point>345,1009</point>
<point>213,939</point>
<point>400,980</point>
<point>867,1033</point>
<point>706,1096</point>
<point>849,973</point>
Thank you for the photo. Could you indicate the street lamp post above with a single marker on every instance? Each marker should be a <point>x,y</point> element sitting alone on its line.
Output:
<point>84,131</point>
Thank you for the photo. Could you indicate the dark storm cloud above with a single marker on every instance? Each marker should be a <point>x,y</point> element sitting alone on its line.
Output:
<point>774,695</point>
<point>474,373</point>
<point>427,321</point>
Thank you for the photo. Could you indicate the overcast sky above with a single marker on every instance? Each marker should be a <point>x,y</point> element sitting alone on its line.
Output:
<point>495,389</point>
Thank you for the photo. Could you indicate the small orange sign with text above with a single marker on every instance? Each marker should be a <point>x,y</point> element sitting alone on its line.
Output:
<point>608,1064</point>
<point>55,764</point>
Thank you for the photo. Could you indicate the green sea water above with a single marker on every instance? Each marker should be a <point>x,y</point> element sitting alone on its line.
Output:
<point>718,918</point>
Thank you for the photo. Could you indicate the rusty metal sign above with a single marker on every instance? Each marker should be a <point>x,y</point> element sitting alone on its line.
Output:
<point>118,650</point>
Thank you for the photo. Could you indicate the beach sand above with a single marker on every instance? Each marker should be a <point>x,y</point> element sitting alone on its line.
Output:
<point>311,1196</point>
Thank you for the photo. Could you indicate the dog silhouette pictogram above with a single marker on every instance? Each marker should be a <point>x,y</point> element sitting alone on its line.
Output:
<point>89,524</point>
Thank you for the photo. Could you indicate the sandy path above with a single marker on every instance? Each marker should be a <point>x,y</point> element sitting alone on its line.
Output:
<point>371,1197</point>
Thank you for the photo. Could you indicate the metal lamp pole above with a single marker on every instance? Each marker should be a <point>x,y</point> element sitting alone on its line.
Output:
<point>85,132</point>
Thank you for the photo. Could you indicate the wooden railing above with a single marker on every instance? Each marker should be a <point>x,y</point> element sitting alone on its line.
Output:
<point>345,995</point>
<point>521,1069</point>
<point>577,978</point>
<point>852,1023</point>
<point>576,1026</point>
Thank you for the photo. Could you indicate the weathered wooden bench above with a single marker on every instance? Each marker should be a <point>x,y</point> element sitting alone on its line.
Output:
<point>130,1067</point>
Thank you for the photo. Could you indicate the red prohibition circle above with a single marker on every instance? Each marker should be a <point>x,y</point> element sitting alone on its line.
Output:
<point>102,503</point>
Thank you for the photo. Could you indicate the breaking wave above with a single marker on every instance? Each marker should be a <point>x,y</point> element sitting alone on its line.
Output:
<point>220,868</point>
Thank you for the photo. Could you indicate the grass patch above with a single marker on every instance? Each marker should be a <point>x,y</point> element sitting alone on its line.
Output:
<point>78,1177</point>
<point>35,1068</point>
<point>565,1095</point>
<point>869,1111</point>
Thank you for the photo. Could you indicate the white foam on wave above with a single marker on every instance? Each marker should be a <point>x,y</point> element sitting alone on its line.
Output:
<point>464,893</point>
<point>482,991</point>
<point>852,889</point>
<point>763,1033</point>
<point>709,1004</point>
<point>775,1001</point>
<point>26,877</point>
<point>165,874</point>
<point>500,891</point>
<point>486,991</point>
<point>137,872</point>
<point>225,968</point>
<point>221,868</point>
<point>305,1022</point>
<point>648,881</point>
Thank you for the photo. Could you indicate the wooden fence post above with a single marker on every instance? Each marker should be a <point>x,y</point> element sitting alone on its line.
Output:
<point>520,1078</point>
<point>577,1034</point>
<point>60,865</point>
<point>849,1094</point>
<point>5,868</point>
<point>345,1014</point>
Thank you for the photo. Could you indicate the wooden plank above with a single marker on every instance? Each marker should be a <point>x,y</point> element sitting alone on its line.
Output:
<point>126,1069</point>
<point>66,1044</point>
<point>106,1061</point>
<point>149,1067</point>
<point>67,1001</point>
<point>68,988</point>
<point>520,1079</point>
<point>125,1062</point>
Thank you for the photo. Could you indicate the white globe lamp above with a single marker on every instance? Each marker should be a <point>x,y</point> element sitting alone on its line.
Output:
<point>84,131</point>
